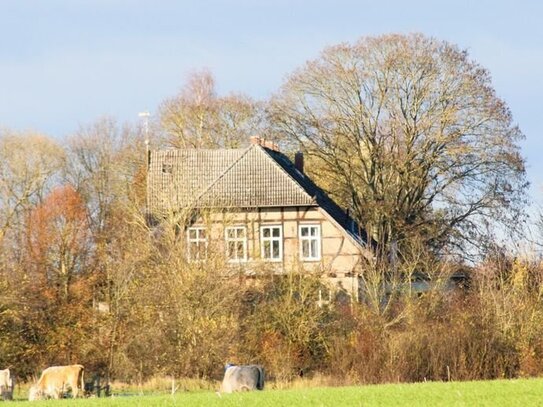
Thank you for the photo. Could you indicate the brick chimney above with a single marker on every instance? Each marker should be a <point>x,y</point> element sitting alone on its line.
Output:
<point>255,140</point>
<point>270,145</point>
<point>299,161</point>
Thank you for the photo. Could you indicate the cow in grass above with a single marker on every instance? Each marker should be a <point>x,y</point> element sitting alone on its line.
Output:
<point>56,380</point>
<point>242,378</point>
<point>7,383</point>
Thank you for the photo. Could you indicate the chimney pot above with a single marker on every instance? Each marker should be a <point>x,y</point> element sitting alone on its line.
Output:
<point>255,140</point>
<point>270,145</point>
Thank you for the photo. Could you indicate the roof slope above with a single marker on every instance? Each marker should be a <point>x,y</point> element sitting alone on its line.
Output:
<point>175,177</point>
<point>235,178</point>
<point>255,180</point>
<point>255,177</point>
<point>321,198</point>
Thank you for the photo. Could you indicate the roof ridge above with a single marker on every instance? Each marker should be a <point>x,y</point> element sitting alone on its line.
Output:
<point>222,174</point>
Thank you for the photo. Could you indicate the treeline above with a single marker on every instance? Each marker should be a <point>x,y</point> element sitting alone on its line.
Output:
<point>404,131</point>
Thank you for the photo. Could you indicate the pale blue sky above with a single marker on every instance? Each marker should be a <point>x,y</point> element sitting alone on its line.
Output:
<point>65,63</point>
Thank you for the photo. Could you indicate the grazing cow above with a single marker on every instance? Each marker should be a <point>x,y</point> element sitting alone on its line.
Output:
<point>7,384</point>
<point>56,380</point>
<point>242,378</point>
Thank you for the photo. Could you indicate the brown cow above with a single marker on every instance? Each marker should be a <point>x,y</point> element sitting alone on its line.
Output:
<point>7,383</point>
<point>56,380</point>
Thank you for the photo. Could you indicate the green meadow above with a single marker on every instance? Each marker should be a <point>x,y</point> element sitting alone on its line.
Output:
<point>521,392</point>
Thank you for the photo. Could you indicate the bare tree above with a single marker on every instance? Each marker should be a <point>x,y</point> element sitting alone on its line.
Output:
<point>408,133</point>
<point>106,164</point>
<point>198,118</point>
<point>28,164</point>
<point>103,161</point>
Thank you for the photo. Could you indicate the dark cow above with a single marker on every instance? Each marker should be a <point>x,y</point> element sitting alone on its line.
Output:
<point>242,378</point>
<point>7,383</point>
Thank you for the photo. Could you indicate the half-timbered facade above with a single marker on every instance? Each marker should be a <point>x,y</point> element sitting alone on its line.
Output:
<point>261,208</point>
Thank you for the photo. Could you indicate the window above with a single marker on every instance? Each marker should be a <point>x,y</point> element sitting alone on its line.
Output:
<point>167,168</point>
<point>197,243</point>
<point>271,243</point>
<point>310,242</point>
<point>236,243</point>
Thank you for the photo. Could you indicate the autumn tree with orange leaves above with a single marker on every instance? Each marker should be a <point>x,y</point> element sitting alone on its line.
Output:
<point>57,284</point>
<point>58,240</point>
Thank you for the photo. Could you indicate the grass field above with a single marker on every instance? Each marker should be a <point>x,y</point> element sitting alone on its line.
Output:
<point>525,392</point>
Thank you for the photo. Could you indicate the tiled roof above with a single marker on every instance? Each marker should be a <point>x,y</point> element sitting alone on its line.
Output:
<point>252,181</point>
<point>237,178</point>
<point>176,177</point>
<point>255,177</point>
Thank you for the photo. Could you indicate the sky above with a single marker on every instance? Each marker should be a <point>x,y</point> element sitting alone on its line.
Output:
<point>66,63</point>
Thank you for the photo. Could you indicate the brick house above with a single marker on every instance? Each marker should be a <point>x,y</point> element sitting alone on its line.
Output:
<point>263,209</point>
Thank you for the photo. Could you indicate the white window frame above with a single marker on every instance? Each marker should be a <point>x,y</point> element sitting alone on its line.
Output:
<point>197,240</point>
<point>228,240</point>
<point>310,238</point>
<point>271,239</point>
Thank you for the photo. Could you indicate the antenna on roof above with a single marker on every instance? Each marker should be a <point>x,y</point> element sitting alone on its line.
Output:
<point>145,118</point>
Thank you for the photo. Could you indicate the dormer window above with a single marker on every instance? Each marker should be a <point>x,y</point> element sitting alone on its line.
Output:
<point>167,168</point>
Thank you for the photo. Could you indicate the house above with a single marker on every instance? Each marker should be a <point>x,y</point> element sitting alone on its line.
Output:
<point>264,209</point>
